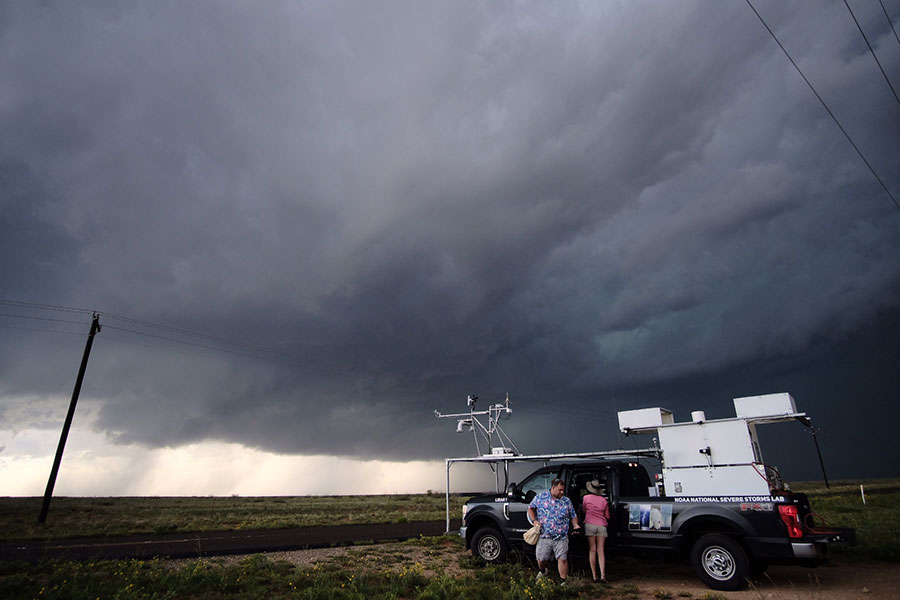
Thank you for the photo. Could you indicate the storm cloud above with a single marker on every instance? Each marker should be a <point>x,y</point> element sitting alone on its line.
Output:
<point>348,214</point>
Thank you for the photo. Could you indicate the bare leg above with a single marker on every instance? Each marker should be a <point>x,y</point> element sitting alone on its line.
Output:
<point>601,556</point>
<point>543,565</point>
<point>563,565</point>
<point>592,555</point>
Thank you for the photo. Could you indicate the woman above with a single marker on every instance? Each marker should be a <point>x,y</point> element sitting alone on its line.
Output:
<point>596,518</point>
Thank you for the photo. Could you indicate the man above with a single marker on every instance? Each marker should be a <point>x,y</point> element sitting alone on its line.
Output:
<point>553,511</point>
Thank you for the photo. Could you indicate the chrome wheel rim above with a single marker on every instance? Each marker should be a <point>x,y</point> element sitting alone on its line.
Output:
<point>718,563</point>
<point>489,548</point>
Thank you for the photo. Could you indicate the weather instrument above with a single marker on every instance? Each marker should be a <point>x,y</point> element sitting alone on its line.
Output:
<point>492,434</point>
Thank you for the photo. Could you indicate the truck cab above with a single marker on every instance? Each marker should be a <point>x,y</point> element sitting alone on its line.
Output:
<point>493,524</point>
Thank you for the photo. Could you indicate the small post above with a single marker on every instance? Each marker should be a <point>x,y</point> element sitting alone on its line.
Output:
<point>448,463</point>
<point>862,493</point>
<point>48,493</point>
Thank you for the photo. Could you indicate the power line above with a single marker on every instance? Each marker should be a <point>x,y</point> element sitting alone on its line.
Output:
<point>253,351</point>
<point>824,105</point>
<point>872,51</point>
<point>51,307</point>
<point>232,346</point>
<point>194,344</point>
<point>113,338</point>
<point>12,316</point>
<point>189,333</point>
<point>557,409</point>
<point>150,325</point>
<point>891,23</point>
<point>39,330</point>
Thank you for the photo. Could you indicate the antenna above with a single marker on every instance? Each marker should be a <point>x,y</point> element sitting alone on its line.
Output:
<point>492,433</point>
<point>612,394</point>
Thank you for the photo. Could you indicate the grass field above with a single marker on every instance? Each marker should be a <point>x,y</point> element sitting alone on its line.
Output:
<point>877,522</point>
<point>418,570</point>
<point>89,517</point>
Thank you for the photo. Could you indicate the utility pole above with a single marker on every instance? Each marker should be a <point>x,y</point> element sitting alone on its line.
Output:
<point>48,494</point>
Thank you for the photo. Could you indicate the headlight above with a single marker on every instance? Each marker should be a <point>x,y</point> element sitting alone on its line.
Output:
<point>465,509</point>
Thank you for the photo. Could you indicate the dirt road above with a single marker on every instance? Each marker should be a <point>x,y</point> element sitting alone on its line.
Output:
<point>833,581</point>
<point>204,544</point>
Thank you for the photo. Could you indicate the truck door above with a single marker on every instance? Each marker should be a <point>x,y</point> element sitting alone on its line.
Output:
<point>516,509</point>
<point>576,490</point>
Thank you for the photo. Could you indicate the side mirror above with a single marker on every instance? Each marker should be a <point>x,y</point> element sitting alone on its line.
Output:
<point>513,492</point>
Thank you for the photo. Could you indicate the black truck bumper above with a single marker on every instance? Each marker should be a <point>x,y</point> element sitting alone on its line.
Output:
<point>811,549</point>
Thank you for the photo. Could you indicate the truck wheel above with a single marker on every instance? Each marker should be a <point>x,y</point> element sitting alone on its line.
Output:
<point>720,562</point>
<point>490,546</point>
<point>758,567</point>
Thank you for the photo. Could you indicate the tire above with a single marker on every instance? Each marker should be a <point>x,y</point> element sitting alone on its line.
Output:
<point>490,546</point>
<point>720,562</point>
<point>758,567</point>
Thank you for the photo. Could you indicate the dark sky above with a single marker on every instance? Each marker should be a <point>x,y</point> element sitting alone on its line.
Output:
<point>306,225</point>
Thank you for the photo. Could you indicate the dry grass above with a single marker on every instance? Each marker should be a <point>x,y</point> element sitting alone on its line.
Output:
<point>90,517</point>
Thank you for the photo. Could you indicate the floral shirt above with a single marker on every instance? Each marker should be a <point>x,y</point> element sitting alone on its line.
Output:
<point>553,514</point>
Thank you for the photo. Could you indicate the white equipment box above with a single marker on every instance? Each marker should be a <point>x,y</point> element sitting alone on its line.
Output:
<point>644,417</point>
<point>719,457</point>
<point>764,406</point>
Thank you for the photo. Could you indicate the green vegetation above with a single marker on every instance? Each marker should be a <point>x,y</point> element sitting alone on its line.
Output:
<point>428,568</point>
<point>87,517</point>
<point>877,522</point>
<point>412,570</point>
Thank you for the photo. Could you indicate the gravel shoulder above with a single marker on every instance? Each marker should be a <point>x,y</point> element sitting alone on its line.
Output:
<point>832,581</point>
